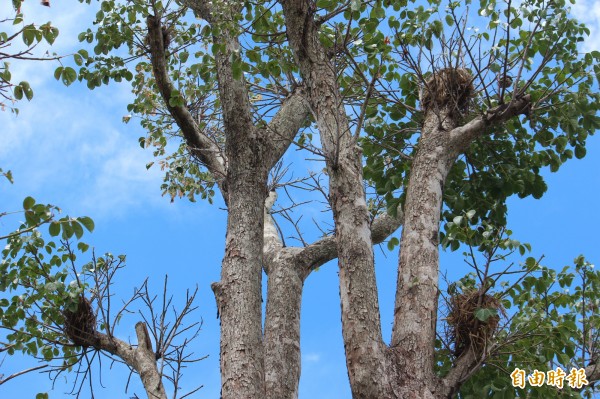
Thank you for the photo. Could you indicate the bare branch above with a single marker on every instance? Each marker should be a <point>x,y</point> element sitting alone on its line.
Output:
<point>10,377</point>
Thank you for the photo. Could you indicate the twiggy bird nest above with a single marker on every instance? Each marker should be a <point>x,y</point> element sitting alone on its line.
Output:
<point>80,325</point>
<point>448,88</point>
<point>466,330</point>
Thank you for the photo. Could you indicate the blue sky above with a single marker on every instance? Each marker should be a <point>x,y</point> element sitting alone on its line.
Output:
<point>69,147</point>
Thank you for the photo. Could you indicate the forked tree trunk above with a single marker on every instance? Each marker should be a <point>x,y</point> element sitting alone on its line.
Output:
<point>253,366</point>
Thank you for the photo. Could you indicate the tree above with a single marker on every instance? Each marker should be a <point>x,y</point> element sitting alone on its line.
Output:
<point>449,123</point>
<point>63,324</point>
<point>67,324</point>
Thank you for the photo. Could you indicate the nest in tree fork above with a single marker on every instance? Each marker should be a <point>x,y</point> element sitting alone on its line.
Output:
<point>448,89</point>
<point>466,330</point>
<point>80,325</point>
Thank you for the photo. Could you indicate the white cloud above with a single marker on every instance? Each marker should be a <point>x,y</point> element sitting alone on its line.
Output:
<point>122,183</point>
<point>68,146</point>
<point>588,12</point>
<point>312,357</point>
<point>70,18</point>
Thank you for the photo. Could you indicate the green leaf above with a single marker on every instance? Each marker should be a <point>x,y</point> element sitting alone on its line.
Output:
<point>68,76</point>
<point>49,33</point>
<point>18,92</point>
<point>77,229</point>
<point>52,286</point>
<point>8,175</point>
<point>29,34</point>
<point>54,229</point>
<point>83,247</point>
<point>530,262</point>
<point>377,12</point>
<point>28,202</point>
<point>580,151</point>
<point>392,243</point>
<point>564,359</point>
<point>26,90</point>
<point>67,230</point>
<point>106,6</point>
<point>87,222</point>
<point>183,56</point>
<point>58,72</point>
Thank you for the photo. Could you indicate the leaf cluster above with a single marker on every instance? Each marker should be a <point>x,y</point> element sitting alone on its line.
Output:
<point>18,41</point>
<point>33,282</point>
<point>534,42</point>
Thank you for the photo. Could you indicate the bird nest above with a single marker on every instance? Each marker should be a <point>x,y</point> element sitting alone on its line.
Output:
<point>80,325</point>
<point>448,88</point>
<point>466,330</point>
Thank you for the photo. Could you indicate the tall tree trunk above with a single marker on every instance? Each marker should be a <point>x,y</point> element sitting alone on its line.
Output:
<point>361,328</point>
<point>239,293</point>
<point>415,313</point>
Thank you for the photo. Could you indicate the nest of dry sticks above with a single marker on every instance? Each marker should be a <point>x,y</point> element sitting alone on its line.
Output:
<point>448,88</point>
<point>80,325</point>
<point>466,330</point>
